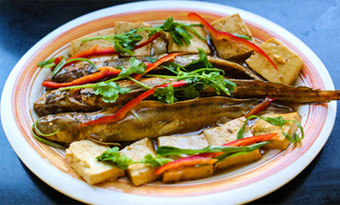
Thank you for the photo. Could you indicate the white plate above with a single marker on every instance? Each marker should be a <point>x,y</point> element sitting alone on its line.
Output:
<point>23,87</point>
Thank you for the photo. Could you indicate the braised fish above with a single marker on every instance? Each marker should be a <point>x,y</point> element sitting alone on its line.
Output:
<point>149,119</point>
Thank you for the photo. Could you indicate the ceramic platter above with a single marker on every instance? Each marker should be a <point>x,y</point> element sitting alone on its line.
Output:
<point>240,185</point>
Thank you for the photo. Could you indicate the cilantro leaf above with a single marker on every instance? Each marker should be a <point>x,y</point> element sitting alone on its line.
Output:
<point>114,156</point>
<point>156,161</point>
<point>136,66</point>
<point>110,91</point>
<point>201,62</point>
<point>166,94</point>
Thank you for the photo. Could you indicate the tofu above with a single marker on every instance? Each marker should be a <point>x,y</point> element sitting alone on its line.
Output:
<point>184,142</point>
<point>280,142</point>
<point>238,159</point>
<point>77,45</point>
<point>187,173</point>
<point>288,63</point>
<point>228,49</point>
<point>123,27</point>
<point>140,173</point>
<point>81,155</point>
<point>159,45</point>
<point>218,136</point>
<point>195,43</point>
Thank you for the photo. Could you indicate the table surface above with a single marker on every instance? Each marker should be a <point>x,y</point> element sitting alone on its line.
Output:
<point>316,23</point>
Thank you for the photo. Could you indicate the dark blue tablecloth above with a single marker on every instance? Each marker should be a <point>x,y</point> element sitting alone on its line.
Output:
<point>316,23</point>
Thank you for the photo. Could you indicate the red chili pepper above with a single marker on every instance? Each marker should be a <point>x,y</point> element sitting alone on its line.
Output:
<point>122,112</point>
<point>157,63</point>
<point>186,161</point>
<point>219,35</point>
<point>153,37</point>
<point>204,157</point>
<point>103,72</point>
<point>58,59</point>
<point>251,140</point>
<point>258,108</point>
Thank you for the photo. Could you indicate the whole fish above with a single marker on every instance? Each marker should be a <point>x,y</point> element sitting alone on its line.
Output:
<point>85,100</point>
<point>80,69</point>
<point>149,119</point>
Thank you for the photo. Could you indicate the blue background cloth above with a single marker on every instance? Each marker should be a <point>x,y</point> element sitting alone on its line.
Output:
<point>316,23</point>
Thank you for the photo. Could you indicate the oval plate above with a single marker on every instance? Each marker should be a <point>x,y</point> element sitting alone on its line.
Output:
<point>237,186</point>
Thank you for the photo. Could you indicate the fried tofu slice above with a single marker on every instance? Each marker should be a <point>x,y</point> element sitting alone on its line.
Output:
<point>123,27</point>
<point>288,63</point>
<point>280,142</point>
<point>81,155</point>
<point>140,173</point>
<point>184,142</point>
<point>238,159</point>
<point>77,45</point>
<point>228,49</point>
<point>218,136</point>
<point>159,46</point>
<point>187,173</point>
<point>195,43</point>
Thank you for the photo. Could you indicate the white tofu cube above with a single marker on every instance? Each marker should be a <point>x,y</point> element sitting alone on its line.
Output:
<point>81,155</point>
<point>184,142</point>
<point>288,63</point>
<point>229,49</point>
<point>261,127</point>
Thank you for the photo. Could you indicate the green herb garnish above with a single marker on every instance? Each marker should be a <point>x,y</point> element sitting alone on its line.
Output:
<point>156,161</point>
<point>114,156</point>
<point>36,132</point>
<point>109,91</point>
<point>276,121</point>
<point>63,62</point>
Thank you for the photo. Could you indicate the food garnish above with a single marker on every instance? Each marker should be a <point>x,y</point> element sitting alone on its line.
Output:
<point>258,108</point>
<point>228,36</point>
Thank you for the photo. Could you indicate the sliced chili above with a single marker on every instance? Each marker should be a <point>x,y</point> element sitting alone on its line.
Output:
<point>103,72</point>
<point>122,112</point>
<point>186,161</point>
<point>258,108</point>
<point>204,157</point>
<point>158,62</point>
<point>219,35</point>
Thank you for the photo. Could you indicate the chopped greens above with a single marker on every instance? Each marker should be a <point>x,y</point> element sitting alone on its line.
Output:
<point>123,43</point>
<point>156,161</point>
<point>201,62</point>
<point>136,67</point>
<point>114,156</point>
<point>276,121</point>
<point>109,91</point>
<point>166,94</point>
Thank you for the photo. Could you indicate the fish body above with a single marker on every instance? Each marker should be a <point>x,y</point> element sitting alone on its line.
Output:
<point>149,119</point>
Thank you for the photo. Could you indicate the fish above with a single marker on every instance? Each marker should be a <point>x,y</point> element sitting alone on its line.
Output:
<point>81,69</point>
<point>148,119</point>
<point>85,100</point>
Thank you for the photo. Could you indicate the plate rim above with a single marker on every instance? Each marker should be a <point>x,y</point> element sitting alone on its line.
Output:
<point>25,151</point>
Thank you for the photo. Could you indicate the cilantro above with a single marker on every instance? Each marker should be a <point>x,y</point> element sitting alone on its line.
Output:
<point>113,155</point>
<point>201,62</point>
<point>136,66</point>
<point>276,121</point>
<point>109,91</point>
<point>166,94</point>
<point>151,59</point>
<point>123,43</point>
<point>171,151</point>
<point>156,161</point>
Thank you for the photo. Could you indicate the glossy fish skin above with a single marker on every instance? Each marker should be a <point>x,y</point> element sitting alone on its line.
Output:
<point>84,100</point>
<point>154,119</point>
<point>80,69</point>
<point>283,93</point>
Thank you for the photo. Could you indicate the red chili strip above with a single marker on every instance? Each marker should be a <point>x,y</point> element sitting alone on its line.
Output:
<point>258,108</point>
<point>204,157</point>
<point>103,72</point>
<point>219,35</point>
<point>242,142</point>
<point>158,62</point>
<point>122,112</point>
<point>58,59</point>
<point>186,161</point>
